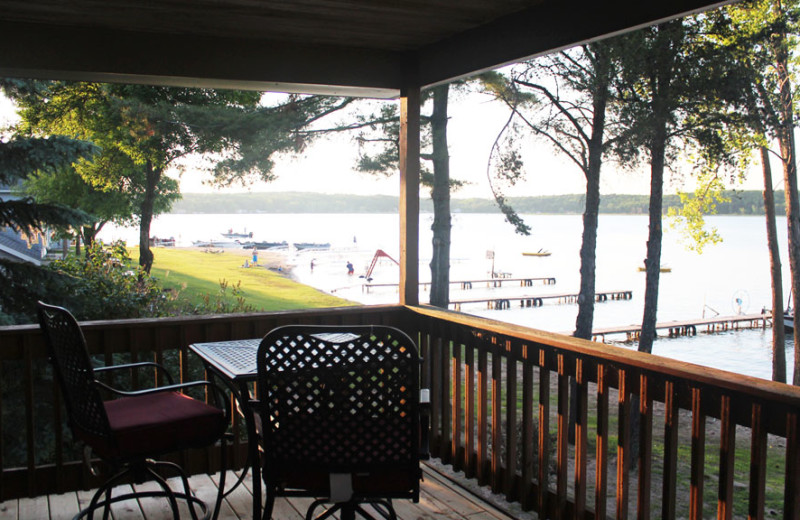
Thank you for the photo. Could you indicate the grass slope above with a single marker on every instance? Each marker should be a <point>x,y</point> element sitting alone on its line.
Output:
<point>197,273</point>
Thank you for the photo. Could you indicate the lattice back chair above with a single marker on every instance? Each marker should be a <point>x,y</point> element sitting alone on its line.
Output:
<point>129,431</point>
<point>340,416</point>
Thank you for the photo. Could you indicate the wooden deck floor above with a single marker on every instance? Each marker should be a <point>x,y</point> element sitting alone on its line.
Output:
<point>439,499</point>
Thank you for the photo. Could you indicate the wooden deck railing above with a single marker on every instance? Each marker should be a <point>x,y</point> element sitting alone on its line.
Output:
<point>36,452</point>
<point>705,443</point>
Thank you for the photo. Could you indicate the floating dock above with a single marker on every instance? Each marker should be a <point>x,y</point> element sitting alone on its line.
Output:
<point>468,284</point>
<point>537,300</point>
<point>690,327</point>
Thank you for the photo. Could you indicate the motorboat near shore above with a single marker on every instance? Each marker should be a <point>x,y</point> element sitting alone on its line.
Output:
<point>232,234</point>
<point>265,245</point>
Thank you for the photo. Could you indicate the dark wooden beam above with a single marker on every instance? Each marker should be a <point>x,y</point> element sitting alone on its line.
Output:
<point>542,29</point>
<point>71,53</point>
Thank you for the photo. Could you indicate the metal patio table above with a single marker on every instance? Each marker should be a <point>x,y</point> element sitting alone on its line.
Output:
<point>234,364</point>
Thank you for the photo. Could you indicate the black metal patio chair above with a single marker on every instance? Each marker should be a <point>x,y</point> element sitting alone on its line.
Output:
<point>340,413</point>
<point>134,428</point>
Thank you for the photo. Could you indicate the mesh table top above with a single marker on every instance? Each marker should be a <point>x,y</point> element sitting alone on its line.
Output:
<point>235,358</point>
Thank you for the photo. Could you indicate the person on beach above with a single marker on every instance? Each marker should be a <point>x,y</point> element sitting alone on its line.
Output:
<point>255,255</point>
<point>312,265</point>
<point>350,269</point>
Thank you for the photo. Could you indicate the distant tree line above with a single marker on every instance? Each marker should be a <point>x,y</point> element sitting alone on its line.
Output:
<point>738,203</point>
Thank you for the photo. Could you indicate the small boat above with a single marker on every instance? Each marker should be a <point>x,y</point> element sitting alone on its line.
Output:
<point>264,245</point>
<point>541,252</point>
<point>231,234</point>
<point>300,246</point>
<point>788,320</point>
<point>162,242</point>
<point>663,269</point>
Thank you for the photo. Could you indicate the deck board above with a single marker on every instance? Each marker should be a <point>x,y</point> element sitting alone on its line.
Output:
<point>439,499</point>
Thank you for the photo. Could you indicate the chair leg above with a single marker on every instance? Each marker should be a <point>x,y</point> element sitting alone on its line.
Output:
<point>168,492</point>
<point>269,504</point>
<point>384,508</point>
<point>326,514</point>
<point>105,489</point>
<point>187,495</point>
<point>222,473</point>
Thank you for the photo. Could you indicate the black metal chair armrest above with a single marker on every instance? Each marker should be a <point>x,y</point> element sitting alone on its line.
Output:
<point>157,366</point>
<point>424,424</point>
<point>219,394</point>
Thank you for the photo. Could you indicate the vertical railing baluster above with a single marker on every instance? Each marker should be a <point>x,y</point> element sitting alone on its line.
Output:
<point>727,457</point>
<point>526,484</point>
<point>601,450</point>
<point>697,471</point>
<point>645,441</point>
<point>3,493</point>
<point>497,417</point>
<point>791,494</point>
<point>445,346</point>
<point>58,437</point>
<point>544,433</point>
<point>623,445</point>
<point>437,394</point>
<point>562,454</point>
<point>483,414</point>
<point>469,412</point>
<point>670,473</point>
<point>758,463</point>
<point>457,402</point>
<point>510,478</point>
<point>30,423</point>
<point>581,436</point>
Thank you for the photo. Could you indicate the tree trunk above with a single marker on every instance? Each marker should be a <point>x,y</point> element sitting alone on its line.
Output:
<point>440,261</point>
<point>153,175</point>
<point>585,320</point>
<point>670,34</point>
<point>88,238</point>
<point>653,261</point>
<point>787,145</point>
<point>778,335</point>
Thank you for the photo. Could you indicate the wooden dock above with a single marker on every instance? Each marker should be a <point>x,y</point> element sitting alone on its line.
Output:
<point>468,284</point>
<point>537,300</point>
<point>690,327</point>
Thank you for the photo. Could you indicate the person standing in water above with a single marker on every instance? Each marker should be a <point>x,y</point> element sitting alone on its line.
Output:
<point>350,269</point>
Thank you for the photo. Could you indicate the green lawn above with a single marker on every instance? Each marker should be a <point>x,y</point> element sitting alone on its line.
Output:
<point>197,273</point>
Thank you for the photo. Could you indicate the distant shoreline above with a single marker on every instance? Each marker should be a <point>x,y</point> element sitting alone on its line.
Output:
<point>741,203</point>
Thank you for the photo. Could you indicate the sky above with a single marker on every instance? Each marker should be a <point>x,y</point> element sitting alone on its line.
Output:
<point>327,165</point>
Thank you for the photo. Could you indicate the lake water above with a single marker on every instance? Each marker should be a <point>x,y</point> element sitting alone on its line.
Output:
<point>737,270</point>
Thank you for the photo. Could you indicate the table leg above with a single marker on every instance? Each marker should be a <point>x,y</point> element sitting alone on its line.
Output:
<point>252,448</point>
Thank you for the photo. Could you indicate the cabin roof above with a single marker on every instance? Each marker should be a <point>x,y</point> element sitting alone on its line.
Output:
<point>355,47</point>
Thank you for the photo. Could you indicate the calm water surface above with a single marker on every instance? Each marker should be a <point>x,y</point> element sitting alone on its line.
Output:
<point>698,285</point>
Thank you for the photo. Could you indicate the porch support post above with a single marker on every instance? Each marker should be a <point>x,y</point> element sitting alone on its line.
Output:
<point>409,195</point>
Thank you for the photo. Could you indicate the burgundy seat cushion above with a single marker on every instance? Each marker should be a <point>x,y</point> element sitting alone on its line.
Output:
<point>159,423</point>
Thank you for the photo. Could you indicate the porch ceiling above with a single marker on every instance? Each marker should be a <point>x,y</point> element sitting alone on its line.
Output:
<point>354,47</point>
